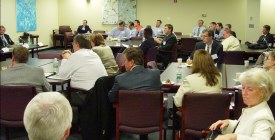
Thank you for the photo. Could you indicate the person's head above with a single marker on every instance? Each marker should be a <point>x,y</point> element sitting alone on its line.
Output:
<point>85,22</point>
<point>148,33</point>
<point>219,26</point>
<point>200,22</point>
<point>204,64</point>
<point>121,25</point>
<point>266,29</point>
<point>212,25</point>
<point>227,33</point>
<point>20,55</point>
<point>137,22</point>
<point>270,62</point>
<point>158,23</point>
<point>97,40</point>
<point>227,27</point>
<point>256,86</point>
<point>2,30</point>
<point>132,57</point>
<point>207,36</point>
<point>48,116</point>
<point>81,42</point>
<point>131,25</point>
<point>168,28</point>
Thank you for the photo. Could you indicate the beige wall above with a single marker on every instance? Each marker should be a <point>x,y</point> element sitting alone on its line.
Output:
<point>267,14</point>
<point>46,14</point>
<point>252,18</point>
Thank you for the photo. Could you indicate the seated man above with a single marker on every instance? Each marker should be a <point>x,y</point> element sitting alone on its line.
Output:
<point>230,43</point>
<point>197,31</point>
<point>48,116</point>
<point>136,77</point>
<point>158,30</point>
<point>133,30</point>
<point>83,29</point>
<point>137,25</point>
<point>266,40</point>
<point>83,67</point>
<point>20,73</point>
<point>167,43</point>
<point>141,33</point>
<point>218,36</point>
<point>214,48</point>
<point>5,39</point>
<point>149,41</point>
<point>228,27</point>
<point>120,31</point>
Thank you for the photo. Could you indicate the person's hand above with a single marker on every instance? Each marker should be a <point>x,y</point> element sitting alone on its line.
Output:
<point>227,137</point>
<point>189,61</point>
<point>66,51</point>
<point>220,124</point>
<point>158,40</point>
<point>65,55</point>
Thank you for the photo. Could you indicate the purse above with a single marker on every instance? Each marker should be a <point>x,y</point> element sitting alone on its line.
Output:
<point>213,134</point>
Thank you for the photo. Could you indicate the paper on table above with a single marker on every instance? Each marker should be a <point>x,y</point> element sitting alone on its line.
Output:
<point>26,46</point>
<point>5,49</point>
<point>125,45</point>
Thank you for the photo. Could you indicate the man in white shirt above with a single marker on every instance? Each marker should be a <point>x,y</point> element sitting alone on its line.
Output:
<point>230,43</point>
<point>120,31</point>
<point>83,66</point>
<point>158,30</point>
<point>197,31</point>
<point>133,30</point>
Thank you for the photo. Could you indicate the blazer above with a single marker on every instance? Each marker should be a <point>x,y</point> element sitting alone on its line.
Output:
<point>138,78</point>
<point>23,74</point>
<point>147,44</point>
<point>217,49</point>
<point>8,40</point>
<point>266,39</point>
<point>80,31</point>
<point>255,123</point>
<point>197,84</point>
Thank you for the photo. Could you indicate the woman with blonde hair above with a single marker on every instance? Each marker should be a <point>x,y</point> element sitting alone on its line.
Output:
<point>105,53</point>
<point>269,65</point>
<point>205,77</point>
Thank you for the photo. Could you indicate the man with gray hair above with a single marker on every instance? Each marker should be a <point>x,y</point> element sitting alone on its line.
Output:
<point>48,116</point>
<point>230,43</point>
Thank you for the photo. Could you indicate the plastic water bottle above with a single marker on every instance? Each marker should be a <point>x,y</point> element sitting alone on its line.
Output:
<point>179,76</point>
<point>55,65</point>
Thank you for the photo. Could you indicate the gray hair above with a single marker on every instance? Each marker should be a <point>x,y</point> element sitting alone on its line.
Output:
<point>258,77</point>
<point>47,116</point>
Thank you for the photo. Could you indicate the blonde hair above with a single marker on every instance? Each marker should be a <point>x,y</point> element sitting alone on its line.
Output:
<point>47,116</point>
<point>259,78</point>
<point>204,64</point>
<point>97,39</point>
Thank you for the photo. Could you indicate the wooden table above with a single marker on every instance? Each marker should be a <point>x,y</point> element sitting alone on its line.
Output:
<point>32,47</point>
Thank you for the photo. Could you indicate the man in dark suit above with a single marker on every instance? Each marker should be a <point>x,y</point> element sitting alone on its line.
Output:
<point>5,39</point>
<point>136,77</point>
<point>266,38</point>
<point>214,48</point>
<point>83,29</point>
<point>149,41</point>
<point>166,44</point>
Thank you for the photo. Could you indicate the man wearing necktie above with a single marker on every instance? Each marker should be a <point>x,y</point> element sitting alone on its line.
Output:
<point>5,39</point>
<point>214,48</point>
<point>197,31</point>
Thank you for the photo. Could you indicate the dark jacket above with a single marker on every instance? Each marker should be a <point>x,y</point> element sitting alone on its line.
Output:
<point>147,44</point>
<point>80,31</point>
<point>266,39</point>
<point>8,40</point>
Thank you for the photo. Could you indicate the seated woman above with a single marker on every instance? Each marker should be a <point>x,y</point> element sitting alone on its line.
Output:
<point>205,77</point>
<point>256,121</point>
<point>105,53</point>
<point>269,65</point>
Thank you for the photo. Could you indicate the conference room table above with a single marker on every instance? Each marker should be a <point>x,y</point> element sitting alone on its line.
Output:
<point>31,47</point>
<point>228,72</point>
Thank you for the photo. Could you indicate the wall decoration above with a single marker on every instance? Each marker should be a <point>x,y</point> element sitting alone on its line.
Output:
<point>26,15</point>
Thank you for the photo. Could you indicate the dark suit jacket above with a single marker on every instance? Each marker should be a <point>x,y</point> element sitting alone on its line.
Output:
<point>269,39</point>
<point>8,39</point>
<point>138,78</point>
<point>80,31</point>
<point>147,44</point>
<point>217,48</point>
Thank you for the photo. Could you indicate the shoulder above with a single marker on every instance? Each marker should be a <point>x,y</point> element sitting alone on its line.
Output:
<point>200,44</point>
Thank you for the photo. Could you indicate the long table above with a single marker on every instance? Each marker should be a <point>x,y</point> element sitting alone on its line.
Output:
<point>32,47</point>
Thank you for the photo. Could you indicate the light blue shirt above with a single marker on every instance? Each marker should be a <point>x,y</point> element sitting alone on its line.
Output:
<point>133,32</point>
<point>157,31</point>
<point>196,29</point>
<point>116,33</point>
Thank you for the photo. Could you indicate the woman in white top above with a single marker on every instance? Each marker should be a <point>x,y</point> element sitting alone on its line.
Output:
<point>256,121</point>
<point>269,65</point>
<point>105,53</point>
<point>205,77</point>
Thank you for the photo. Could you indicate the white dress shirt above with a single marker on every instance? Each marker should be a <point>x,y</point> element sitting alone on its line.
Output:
<point>196,29</point>
<point>157,31</point>
<point>255,123</point>
<point>231,44</point>
<point>83,67</point>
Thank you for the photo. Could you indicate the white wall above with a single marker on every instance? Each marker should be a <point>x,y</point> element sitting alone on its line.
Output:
<point>46,14</point>
<point>252,18</point>
<point>267,14</point>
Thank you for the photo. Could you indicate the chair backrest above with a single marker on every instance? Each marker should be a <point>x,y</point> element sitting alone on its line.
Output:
<point>64,28</point>
<point>271,103</point>
<point>13,101</point>
<point>140,112</point>
<point>233,57</point>
<point>187,44</point>
<point>200,110</point>
<point>48,56</point>
<point>120,59</point>
<point>174,53</point>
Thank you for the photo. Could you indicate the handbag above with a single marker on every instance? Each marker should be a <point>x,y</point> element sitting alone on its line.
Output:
<point>213,134</point>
